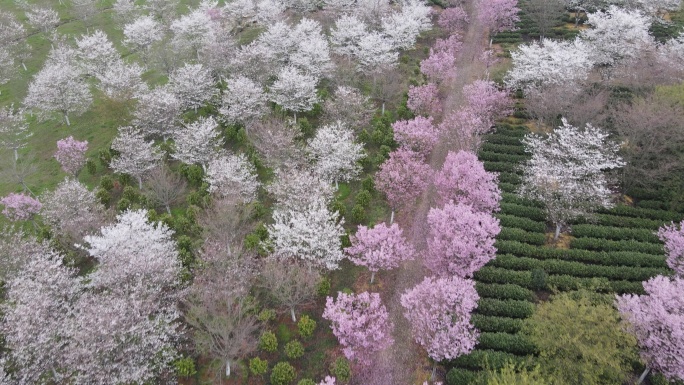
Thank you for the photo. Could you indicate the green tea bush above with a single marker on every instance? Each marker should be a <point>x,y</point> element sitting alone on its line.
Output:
<point>513,234</point>
<point>506,177</point>
<point>489,274</point>
<point>510,343</point>
<point>341,370</point>
<point>306,326</point>
<point>294,349</point>
<point>503,139</point>
<point>323,288</point>
<point>653,204</point>
<point>600,244</point>
<point>614,233</point>
<point>521,223</point>
<point>266,315</point>
<point>508,187</point>
<point>496,157</point>
<point>638,212</point>
<point>504,291</point>
<point>516,149</point>
<point>518,200</point>
<point>257,366</point>
<point>486,359</point>
<point>533,213</point>
<point>185,367</point>
<point>457,376</point>
<point>306,381</point>
<point>502,167</point>
<point>268,341</point>
<point>487,323</point>
<point>283,374</point>
<point>505,308</point>
<point>358,214</point>
<point>363,198</point>
<point>620,221</point>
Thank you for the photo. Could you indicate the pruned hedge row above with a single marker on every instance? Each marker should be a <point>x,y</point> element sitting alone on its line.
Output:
<point>513,234</point>
<point>577,269</point>
<point>514,160</point>
<point>485,359</point>
<point>517,199</point>
<point>488,323</point>
<point>503,139</point>
<point>614,233</point>
<point>458,376</point>
<point>533,213</point>
<point>653,204</point>
<point>491,274</point>
<point>505,308</point>
<point>639,212</point>
<point>507,187</point>
<point>601,244</point>
<point>620,221</point>
<point>504,291</point>
<point>611,258</point>
<point>506,129</point>
<point>507,177</point>
<point>521,223</point>
<point>516,149</point>
<point>510,343</point>
<point>502,167</point>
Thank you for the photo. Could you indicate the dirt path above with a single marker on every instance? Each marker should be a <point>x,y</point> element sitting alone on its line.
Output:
<point>405,363</point>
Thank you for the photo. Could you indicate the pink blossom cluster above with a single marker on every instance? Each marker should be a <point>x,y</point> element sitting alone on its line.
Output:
<point>361,324</point>
<point>20,207</point>
<point>418,134</point>
<point>403,177</point>
<point>673,236</point>
<point>379,248</point>
<point>424,100</point>
<point>440,65</point>
<point>453,19</point>
<point>71,154</point>
<point>463,179</point>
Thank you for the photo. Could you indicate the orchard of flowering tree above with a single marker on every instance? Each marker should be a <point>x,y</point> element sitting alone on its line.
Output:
<point>362,192</point>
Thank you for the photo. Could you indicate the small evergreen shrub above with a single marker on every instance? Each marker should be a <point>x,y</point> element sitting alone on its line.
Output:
<point>306,326</point>
<point>268,341</point>
<point>283,374</point>
<point>294,349</point>
<point>257,366</point>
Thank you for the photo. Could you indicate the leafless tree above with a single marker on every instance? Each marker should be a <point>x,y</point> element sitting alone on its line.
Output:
<point>350,106</point>
<point>387,85</point>
<point>226,222</point>
<point>276,141</point>
<point>651,129</point>
<point>17,171</point>
<point>546,14</point>
<point>289,283</point>
<point>164,187</point>
<point>579,106</point>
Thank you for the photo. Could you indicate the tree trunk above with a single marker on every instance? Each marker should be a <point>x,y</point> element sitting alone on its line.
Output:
<point>434,369</point>
<point>392,217</point>
<point>227,368</point>
<point>372,277</point>
<point>16,156</point>
<point>491,40</point>
<point>168,209</point>
<point>383,108</point>
<point>643,376</point>
<point>66,117</point>
<point>140,182</point>
<point>295,116</point>
<point>24,65</point>
<point>337,185</point>
<point>292,313</point>
<point>557,233</point>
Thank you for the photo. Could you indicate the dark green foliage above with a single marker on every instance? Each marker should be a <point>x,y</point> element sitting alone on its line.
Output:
<point>341,370</point>
<point>266,315</point>
<point>487,323</point>
<point>358,214</point>
<point>457,376</point>
<point>515,149</point>
<point>495,157</point>
<point>105,156</point>
<point>103,196</point>
<point>307,128</point>
<point>505,169</point>
<point>503,139</point>
<point>125,179</point>
<point>268,341</point>
<point>363,198</point>
<point>509,343</point>
<point>490,274</point>
<point>533,213</point>
<point>521,223</point>
<point>614,233</point>
<point>306,326</point>
<point>107,183</point>
<point>283,374</point>
<point>539,279</point>
<point>323,288</point>
<point>507,187</point>
<point>506,177</point>
<point>368,184</point>
<point>503,291</point>
<point>518,200</point>
<point>294,349</point>
<point>339,207</point>
<point>621,221</point>
<point>123,205</point>
<point>652,204</point>
<point>91,166</point>
<point>484,359</point>
<point>637,212</point>
<point>505,308</point>
<point>306,381</point>
<point>600,244</point>
<point>513,234</point>
<point>130,193</point>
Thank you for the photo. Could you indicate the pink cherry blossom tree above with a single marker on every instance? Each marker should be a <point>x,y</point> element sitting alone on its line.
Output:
<point>464,128</point>
<point>424,100</point>
<point>486,100</point>
<point>498,15</point>
<point>71,154</point>
<point>463,179</point>
<point>461,240</point>
<point>419,134</point>
<point>379,248</point>
<point>673,236</point>
<point>361,323</point>
<point>19,207</point>
<point>453,19</point>
<point>657,320</point>
<point>439,310</point>
<point>403,177</point>
<point>439,66</point>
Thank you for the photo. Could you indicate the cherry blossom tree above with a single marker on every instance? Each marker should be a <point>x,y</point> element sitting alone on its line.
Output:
<point>290,283</point>
<point>361,324</point>
<point>657,320</point>
<point>297,188</point>
<point>59,87</point>
<point>567,171</point>
<point>192,31</point>
<point>463,179</point>
<point>617,35</point>
<point>465,127</point>
<point>403,27</point>
<point>243,101</point>
<point>277,141</point>
<point>461,240</point>
<point>418,134</point>
<point>19,207</point>
<point>439,311</point>
<point>403,177</point>
<point>498,15</point>
<point>328,381</point>
<point>375,52</point>
<point>486,100</point>
<point>312,52</point>
<point>294,90</point>
<point>350,106</point>
<point>439,66</point>
<point>549,63</point>
<point>673,237</point>
<point>13,39</point>
<point>136,156</point>
<point>158,112</point>
<point>45,19</point>
<point>96,53</point>
<point>39,301</point>
<point>379,248</point>
<point>453,19</point>
<point>141,34</point>
<point>14,131</point>
<point>71,154</point>
<point>16,249</point>
<point>193,85</point>
<point>232,175</point>
<point>198,142</point>
<point>346,35</point>
<point>424,100</point>
<point>164,187</point>
<point>335,153</point>
<point>121,81</point>
<point>311,232</point>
